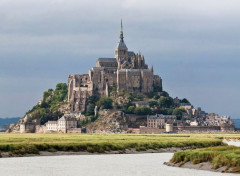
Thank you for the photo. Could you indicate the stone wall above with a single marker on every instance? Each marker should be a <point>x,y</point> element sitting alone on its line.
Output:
<point>79,90</point>
<point>74,130</point>
<point>199,128</point>
<point>146,130</point>
<point>135,80</point>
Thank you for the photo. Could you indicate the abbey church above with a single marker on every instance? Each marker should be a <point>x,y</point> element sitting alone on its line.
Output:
<point>126,71</point>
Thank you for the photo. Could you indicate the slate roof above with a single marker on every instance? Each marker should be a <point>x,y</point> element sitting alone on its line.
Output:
<point>131,53</point>
<point>134,70</point>
<point>121,45</point>
<point>52,122</point>
<point>107,60</point>
<point>67,118</point>
<point>161,116</point>
<point>62,119</point>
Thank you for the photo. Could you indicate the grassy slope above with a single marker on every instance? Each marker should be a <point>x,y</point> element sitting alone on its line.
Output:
<point>220,156</point>
<point>33,143</point>
<point>51,102</point>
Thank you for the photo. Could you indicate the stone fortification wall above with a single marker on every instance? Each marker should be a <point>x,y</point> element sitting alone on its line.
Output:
<point>146,130</point>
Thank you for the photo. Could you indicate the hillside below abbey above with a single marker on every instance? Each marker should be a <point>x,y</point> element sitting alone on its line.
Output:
<point>119,95</point>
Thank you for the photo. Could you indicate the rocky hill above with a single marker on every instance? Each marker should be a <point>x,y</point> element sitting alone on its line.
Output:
<point>109,122</point>
<point>112,110</point>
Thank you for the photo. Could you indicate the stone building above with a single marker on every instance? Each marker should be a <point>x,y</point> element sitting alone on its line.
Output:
<point>27,125</point>
<point>160,120</point>
<point>125,71</point>
<point>62,125</point>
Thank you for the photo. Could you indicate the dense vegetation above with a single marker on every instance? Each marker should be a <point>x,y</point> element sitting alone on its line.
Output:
<point>105,103</point>
<point>159,103</point>
<point>48,108</point>
<point>228,156</point>
<point>34,143</point>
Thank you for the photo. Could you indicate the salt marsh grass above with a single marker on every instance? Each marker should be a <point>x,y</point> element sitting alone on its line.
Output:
<point>34,143</point>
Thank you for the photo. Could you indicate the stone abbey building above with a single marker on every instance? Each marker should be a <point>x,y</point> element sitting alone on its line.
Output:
<point>126,71</point>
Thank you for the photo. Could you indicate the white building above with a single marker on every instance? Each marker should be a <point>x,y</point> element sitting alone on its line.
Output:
<point>63,124</point>
<point>51,126</point>
<point>194,123</point>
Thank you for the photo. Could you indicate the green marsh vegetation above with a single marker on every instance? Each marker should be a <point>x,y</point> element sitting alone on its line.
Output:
<point>100,143</point>
<point>220,156</point>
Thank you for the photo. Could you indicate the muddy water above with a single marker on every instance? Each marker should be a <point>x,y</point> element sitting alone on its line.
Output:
<point>97,165</point>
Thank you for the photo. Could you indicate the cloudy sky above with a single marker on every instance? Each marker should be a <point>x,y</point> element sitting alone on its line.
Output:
<point>194,46</point>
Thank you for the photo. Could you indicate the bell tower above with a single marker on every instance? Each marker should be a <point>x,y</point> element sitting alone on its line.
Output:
<point>121,51</point>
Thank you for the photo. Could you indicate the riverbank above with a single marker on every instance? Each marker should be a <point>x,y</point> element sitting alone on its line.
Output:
<point>60,153</point>
<point>221,159</point>
<point>207,166</point>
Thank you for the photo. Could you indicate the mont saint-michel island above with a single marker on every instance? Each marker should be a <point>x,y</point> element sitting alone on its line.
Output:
<point>120,107</point>
<point>119,95</point>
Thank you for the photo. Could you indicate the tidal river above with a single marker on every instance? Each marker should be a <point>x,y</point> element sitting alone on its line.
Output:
<point>97,165</point>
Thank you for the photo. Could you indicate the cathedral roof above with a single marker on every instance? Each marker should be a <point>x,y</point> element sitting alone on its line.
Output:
<point>107,60</point>
<point>121,45</point>
<point>131,53</point>
<point>134,70</point>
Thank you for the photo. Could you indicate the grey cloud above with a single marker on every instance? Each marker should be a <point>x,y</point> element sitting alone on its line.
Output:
<point>193,44</point>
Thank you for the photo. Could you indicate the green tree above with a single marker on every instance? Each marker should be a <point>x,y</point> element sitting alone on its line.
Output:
<point>126,106</point>
<point>131,110</point>
<point>105,103</point>
<point>164,93</point>
<point>151,94</point>
<point>61,86</point>
<point>178,112</point>
<point>91,109</point>
<point>156,97</point>
<point>93,99</point>
<point>165,102</point>
<point>142,110</point>
<point>153,103</point>
<point>185,100</point>
<point>60,93</point>
<point>169,111</point>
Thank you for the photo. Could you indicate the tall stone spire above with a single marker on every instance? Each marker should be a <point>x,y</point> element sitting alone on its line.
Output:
<point>121,32</point>
<point>121,50</point>
<point>121,43</point>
